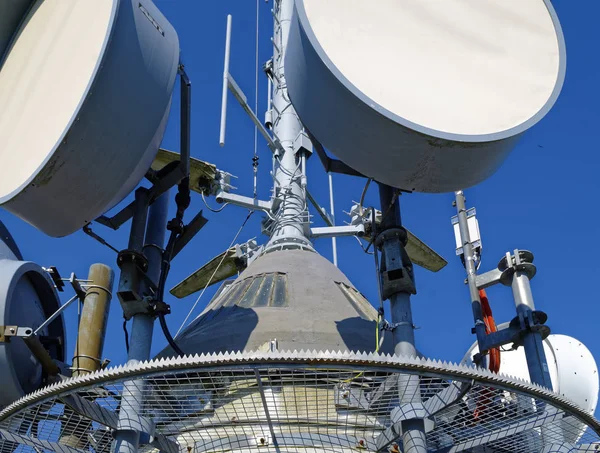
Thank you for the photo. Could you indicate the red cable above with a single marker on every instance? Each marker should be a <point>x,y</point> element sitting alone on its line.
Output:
<point>494,354</point>
<point>490,327</point>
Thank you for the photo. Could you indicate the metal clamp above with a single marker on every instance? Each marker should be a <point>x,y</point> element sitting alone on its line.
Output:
<point>520,261</point>
<point>33,343</point>
<point>390,327</point>
<point>7,332</point>
<point>131,256</point>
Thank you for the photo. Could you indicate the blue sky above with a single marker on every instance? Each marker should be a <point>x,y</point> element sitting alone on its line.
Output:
<point>544,198</point>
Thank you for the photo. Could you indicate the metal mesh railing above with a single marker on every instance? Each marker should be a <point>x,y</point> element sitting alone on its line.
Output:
<point>294,402</point>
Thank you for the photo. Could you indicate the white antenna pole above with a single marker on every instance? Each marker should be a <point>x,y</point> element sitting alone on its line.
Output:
<point>332,209</point>
<point>290,226</point>
<point>225,81</point>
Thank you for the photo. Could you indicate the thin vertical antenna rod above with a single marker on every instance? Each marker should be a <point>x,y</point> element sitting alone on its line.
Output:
<point>225,81</point>
<point>332,209</point>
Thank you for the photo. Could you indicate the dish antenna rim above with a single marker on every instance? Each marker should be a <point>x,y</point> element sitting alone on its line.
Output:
<point>467,138</point>
<point>5,198</point>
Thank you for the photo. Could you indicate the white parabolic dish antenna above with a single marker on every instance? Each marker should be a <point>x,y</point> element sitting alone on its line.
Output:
<point>573,370</point>
<point>425,95</point>
<point>85,90</point>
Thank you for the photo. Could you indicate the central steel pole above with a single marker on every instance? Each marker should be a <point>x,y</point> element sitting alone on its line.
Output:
<point>127,438</point>
<point>398,285</point>
<point>290,225</point>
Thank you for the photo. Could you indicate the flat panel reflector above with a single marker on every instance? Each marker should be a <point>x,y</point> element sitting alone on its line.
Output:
<point>425,95</point>
<point>85,90</point>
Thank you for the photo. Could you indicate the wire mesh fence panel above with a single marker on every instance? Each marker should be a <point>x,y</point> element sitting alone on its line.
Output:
<point>293,402</point>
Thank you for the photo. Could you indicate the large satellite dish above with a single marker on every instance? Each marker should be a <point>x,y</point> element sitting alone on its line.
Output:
<point>85,89</point>
<point>424,95</point>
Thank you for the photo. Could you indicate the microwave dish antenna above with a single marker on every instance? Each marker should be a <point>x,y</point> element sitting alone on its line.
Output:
<point>81,123</point>
<point>424,96</point>
<point>28,299</point>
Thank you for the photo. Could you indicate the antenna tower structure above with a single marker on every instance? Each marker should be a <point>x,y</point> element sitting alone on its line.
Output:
<point>291,222</point>
<point>276,367</point>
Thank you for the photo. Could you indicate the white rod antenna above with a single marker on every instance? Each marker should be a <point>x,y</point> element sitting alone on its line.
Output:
<point>225,81</point>
<point>332,209</point>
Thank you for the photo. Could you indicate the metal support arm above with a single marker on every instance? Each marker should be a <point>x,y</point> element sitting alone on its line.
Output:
<point>337,231</point>
<point>244,202</point>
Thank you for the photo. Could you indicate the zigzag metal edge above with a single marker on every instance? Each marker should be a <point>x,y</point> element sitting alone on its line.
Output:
<point>307,358</point>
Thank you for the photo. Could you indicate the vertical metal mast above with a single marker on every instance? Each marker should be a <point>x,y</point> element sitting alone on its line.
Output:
<point>290,224</point>
<point>397,284</point>
<point>127,436</point>
<point>471,268</point>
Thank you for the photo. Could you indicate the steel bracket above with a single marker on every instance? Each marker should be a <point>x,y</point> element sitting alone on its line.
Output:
<point>488,279</point>
<point>514,333</point>
<point>171,174</point>
<point>133,304</point>
<point>7,332</point>
<point>397,273</point>
<point>32,341</point>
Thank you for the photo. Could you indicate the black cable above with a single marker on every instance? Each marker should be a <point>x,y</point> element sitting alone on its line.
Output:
<point>176,227</point>
<point>126,335</point>
<point>168,336</point>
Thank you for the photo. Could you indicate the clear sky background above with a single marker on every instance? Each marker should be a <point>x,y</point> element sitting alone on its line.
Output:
<point>543,199</point>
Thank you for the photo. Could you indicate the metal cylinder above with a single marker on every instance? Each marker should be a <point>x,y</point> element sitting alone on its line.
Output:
<point>92,326</point>
<point>532,340</point>
<point>291,217</point>
<point>413,431</point>
<point>129,427</point>
<point>470,267</point>
<point>404,331</point>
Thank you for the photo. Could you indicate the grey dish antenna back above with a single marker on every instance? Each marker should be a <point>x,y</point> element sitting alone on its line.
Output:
<point>426,96</point>
<point>85,89</point>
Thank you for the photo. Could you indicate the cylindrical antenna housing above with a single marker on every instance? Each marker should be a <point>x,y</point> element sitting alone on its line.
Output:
<point>85,90</point>
<point>429,95</point>
<point>94,316</point>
